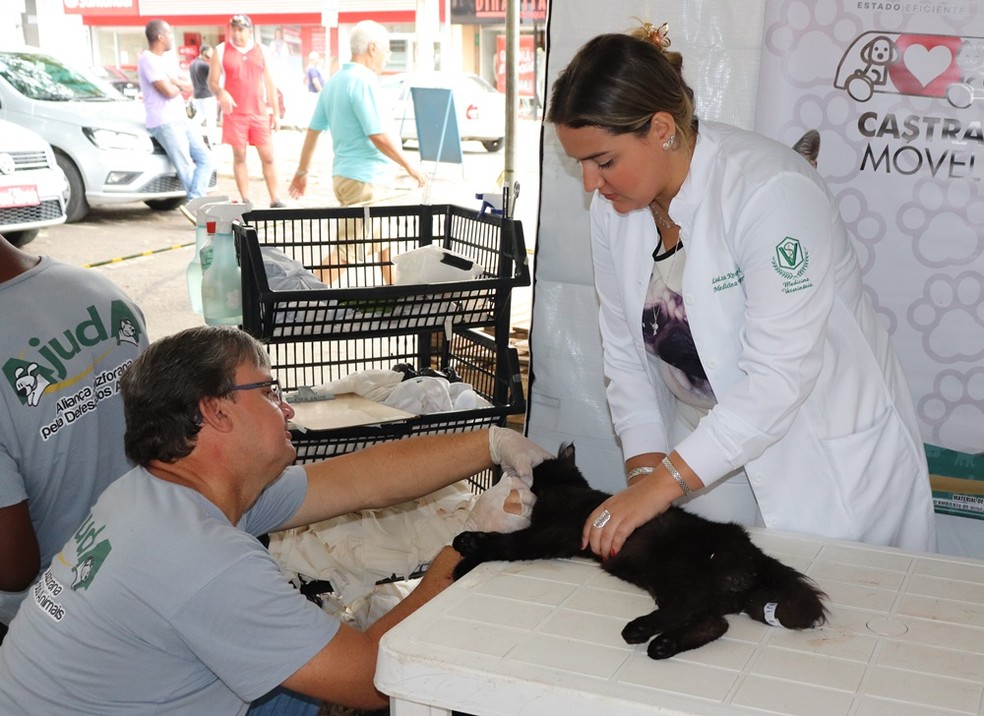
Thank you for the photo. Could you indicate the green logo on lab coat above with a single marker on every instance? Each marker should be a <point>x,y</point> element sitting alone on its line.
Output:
<point>791,261</point>
<point>789,254</point>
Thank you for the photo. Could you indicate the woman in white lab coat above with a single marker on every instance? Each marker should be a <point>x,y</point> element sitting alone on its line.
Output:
<point>747,370</point>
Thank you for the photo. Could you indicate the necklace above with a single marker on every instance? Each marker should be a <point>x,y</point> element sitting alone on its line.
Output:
<point>660,219</point>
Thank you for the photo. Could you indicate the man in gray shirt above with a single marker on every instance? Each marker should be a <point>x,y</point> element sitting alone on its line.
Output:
<point>163,600</point>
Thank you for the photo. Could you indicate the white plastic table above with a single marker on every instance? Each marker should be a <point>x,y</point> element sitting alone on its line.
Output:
<point>905,638</point>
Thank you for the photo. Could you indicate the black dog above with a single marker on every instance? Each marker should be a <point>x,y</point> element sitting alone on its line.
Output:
<point>695,569</point>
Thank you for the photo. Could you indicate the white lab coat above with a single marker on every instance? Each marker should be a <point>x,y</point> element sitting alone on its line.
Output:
<point>811,397</point>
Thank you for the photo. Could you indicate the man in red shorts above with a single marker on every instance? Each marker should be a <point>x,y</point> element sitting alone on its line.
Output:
<point>240,77</point>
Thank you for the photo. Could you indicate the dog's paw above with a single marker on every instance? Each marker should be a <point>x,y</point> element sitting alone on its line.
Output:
<point>468,543</point>
<point>663,647</point>
<point>640,629</point>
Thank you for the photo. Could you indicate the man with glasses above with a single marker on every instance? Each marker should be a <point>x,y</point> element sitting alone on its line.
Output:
<point>241,80</point>
<point>167,119</point>
<point>163,600</point>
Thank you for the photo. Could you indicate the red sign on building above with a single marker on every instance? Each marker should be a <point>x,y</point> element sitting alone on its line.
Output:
<point>526,69</point>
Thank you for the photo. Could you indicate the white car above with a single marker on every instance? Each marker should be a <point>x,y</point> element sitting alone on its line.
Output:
<point>33,190</point>
<point>99,137</point>
<point>479,107</point>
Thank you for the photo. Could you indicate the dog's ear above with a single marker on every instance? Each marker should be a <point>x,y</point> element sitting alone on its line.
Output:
<point>809,146</point>
<point>566,453</point>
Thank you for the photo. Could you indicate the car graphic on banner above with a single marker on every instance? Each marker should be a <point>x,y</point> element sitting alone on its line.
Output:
<point>941,66</point>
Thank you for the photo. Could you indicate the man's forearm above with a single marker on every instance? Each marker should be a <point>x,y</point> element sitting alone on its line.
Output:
<point>391,473</point>
<point>271,93</point>
<point>214,76</point>
<point>385,145</point>
<point>21,560</point>
<point>182,84</point>
<point>307,149</point>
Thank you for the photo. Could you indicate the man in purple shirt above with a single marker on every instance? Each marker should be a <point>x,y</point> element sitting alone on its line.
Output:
<point>167,119</point>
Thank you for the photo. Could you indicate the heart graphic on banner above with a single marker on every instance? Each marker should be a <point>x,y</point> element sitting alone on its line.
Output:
<point>926,66</point>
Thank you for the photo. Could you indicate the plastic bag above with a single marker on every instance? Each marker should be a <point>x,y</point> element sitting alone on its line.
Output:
<point>286,274</point>
<point>421,395</point>
<point>432,264</point>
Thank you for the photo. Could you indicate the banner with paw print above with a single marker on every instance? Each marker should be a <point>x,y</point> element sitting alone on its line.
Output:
<point>895,92</point>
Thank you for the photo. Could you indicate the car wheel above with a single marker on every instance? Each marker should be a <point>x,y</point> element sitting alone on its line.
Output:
<point>165,204</point>
<point>77,206</point>
<point>20,238</point>
<point>494,145</point>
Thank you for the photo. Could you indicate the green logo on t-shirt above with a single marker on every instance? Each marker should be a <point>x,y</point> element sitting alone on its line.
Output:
<point>90,554</point>
<point>43,361</point>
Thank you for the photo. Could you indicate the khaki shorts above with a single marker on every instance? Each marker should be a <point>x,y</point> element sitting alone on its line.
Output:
<point>352,241</point>
<point>350,191</point>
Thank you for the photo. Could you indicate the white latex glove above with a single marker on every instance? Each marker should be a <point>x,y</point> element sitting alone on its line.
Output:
<point>489,511</point>
<point>515,453</point>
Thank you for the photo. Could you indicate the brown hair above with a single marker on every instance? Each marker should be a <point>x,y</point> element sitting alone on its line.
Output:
<point>617,82</point>
<point>163,387</point>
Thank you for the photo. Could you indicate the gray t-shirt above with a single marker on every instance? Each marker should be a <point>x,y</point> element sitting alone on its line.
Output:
<point>158,604</point>
<point>67,333</point>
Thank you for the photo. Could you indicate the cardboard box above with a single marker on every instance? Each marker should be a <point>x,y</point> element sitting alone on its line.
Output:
<point>957,480</point>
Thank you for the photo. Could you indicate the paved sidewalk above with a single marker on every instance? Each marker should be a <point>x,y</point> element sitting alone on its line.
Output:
<point>449,183</point>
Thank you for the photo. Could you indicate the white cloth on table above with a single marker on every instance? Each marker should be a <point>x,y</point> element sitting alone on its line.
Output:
<point>355,551</point>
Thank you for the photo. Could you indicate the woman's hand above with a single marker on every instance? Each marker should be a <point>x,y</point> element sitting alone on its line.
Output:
<point>646,498</point>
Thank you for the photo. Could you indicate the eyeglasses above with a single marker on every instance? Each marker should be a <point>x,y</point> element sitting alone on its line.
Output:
<point>274,385</point>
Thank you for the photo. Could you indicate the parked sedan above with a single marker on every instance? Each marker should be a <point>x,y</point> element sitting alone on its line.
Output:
<point>123,79</point>
<point>480,109</point>
<point>99,137</point>
<point>32,187</point>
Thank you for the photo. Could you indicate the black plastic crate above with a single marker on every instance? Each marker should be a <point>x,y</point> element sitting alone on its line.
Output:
<point>490,366</point>
<point>359,305</point>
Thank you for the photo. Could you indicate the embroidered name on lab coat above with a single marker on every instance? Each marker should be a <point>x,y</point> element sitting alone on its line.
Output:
<point>728,280</point>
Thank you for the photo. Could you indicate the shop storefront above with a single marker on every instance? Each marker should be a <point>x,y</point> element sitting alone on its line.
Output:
<point>472,42</point>
<point>116,28</point>
<point>487,20</point>
<point>116,32</point>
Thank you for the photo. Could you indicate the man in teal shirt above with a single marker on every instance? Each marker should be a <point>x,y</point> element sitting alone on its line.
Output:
<point>349,108</point>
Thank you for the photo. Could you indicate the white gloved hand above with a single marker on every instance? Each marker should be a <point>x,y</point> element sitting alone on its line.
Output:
<point>515,453</point>
<point>489,511</point>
